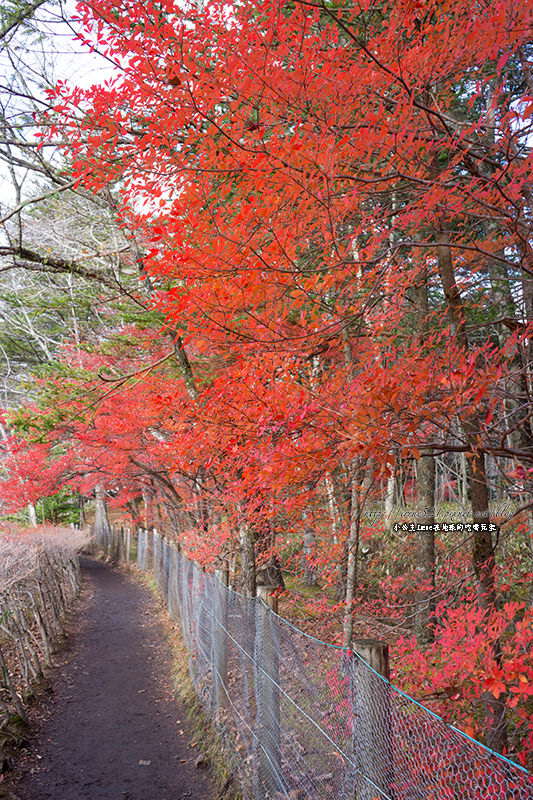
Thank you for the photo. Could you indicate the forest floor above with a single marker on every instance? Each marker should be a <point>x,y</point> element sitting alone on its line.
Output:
<point>111,728</point>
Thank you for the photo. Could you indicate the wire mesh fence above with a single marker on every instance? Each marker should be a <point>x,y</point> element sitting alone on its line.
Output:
<point>303,720</point>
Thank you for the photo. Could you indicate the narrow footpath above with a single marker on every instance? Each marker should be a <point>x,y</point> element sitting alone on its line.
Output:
<point>113,730</point>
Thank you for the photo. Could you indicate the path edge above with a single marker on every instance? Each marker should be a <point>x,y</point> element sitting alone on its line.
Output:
<point>206,741</point>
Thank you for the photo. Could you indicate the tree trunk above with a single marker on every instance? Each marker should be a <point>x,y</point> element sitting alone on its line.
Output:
<point>389,496</point>
<point>192,391</point>
<point>351,565</point>
<point>425,517</point>
<point>267,565</point>
<point>32,515</point>
<point>81,506</point>
<point>102,531</point>
<point>333,507</point>
<point>247,549</point>
<point>186,369</point>
<point>203,507</point>
<point>148,500</point>
<point>482,551</point>
<point>464,481</point>
<point>309,552</point>
<point>529,543</point>
<point>358,496</point>
<point>425,511</point>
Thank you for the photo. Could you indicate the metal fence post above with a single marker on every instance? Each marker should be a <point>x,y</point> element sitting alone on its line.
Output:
<point>373,729</point>
<point>171,586</point>
<point>268,780</point>
<point>155,555</point>
<point>220,620</point>
<point>166,567</point>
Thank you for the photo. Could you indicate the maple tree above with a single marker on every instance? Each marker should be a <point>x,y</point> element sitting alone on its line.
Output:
<point>333,205</point>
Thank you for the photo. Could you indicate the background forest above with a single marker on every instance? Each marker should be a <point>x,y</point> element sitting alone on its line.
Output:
<point>267,285</point>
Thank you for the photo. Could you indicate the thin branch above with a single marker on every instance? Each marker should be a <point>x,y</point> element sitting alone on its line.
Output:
<point>38,199</point>
<point>138,371</point>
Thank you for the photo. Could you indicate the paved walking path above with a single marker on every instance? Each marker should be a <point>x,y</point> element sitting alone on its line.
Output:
<point>113,731</point>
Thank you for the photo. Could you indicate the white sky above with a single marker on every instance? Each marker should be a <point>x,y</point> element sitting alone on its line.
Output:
<point>64,58</point>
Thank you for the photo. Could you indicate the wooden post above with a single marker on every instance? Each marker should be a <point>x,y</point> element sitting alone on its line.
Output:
<point>220,623</point>
<point>138,533</point>
<point>142,537</point>
<point>128,545</point>
<point>373,728</point>
<point>267,778</point>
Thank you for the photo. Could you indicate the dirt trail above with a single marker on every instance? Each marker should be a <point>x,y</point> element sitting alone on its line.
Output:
<point>112,708</point>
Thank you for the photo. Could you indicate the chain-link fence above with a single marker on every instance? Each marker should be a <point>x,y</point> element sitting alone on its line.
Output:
<point>303,720</point>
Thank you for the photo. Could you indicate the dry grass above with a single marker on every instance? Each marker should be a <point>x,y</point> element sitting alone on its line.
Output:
<point>20,549</point>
